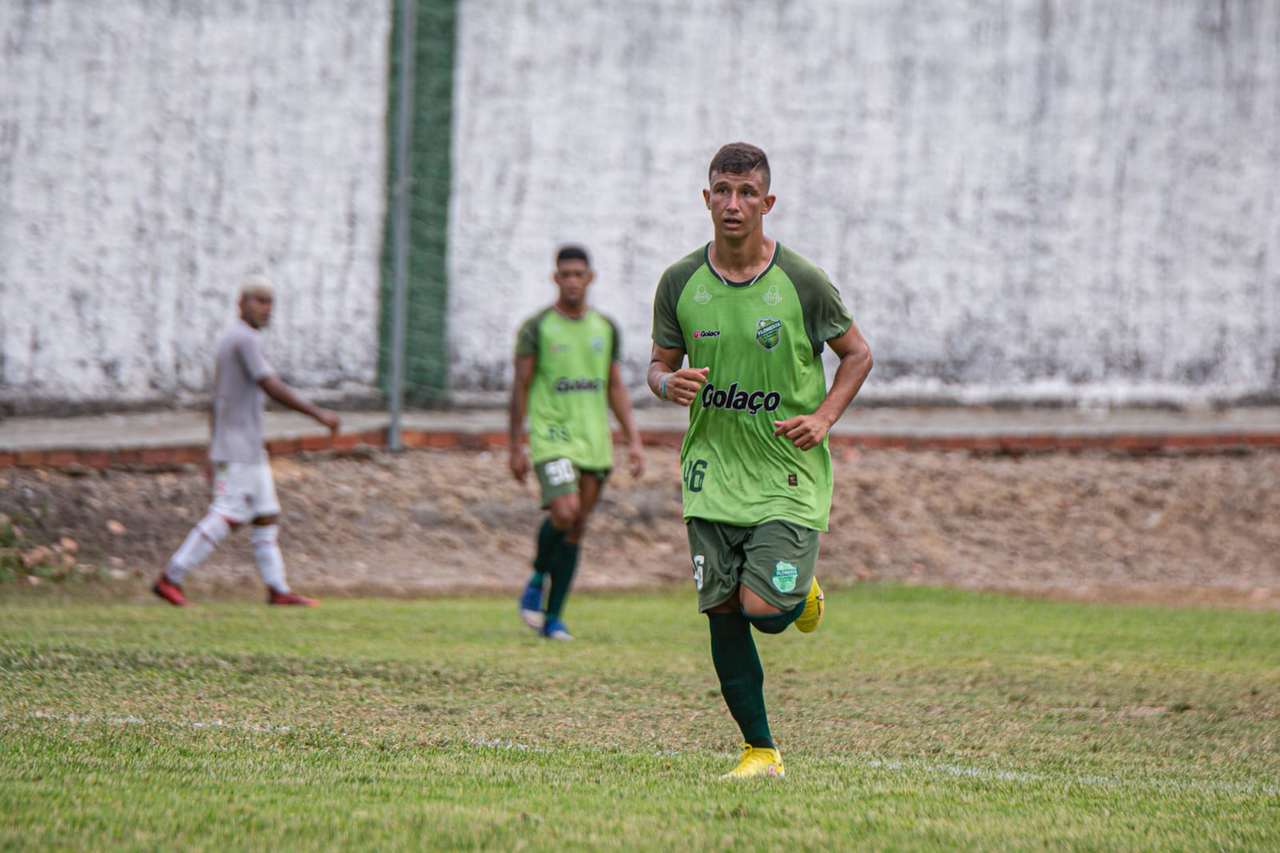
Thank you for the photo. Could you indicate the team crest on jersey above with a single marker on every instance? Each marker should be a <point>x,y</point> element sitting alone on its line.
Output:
<point>784,576</point>
<point>768,332</point>
<point>772,296</point>
<point>702,296</point>
<point>597,344</point>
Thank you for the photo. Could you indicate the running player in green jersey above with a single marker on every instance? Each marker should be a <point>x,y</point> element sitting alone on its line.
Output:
<point>752,316</point>
<point>566,373</point>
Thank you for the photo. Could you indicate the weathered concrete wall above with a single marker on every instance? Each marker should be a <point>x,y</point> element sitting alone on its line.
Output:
<point>1072,199</point>
<point>153,152</point>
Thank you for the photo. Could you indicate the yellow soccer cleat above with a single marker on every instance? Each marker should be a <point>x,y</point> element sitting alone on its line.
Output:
<point>814,606</point>
<point>757,762</point>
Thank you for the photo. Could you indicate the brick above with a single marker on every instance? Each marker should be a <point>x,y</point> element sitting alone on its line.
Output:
<point>97,459</point>
<point>8,460</point>
<point>345,441</point>
<point>374,437</point>
<point>126,456</point>
<point>157,456</point>
<point>437,440</point>
<point>284,446</point>
<point>412,439</point>
<point>61,458</point>
<point>190,455</point>
<point>316,442</point>
<point>30,458</point>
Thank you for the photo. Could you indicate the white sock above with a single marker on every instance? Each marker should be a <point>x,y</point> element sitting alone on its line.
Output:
<point>199,544</point>
<point>267,553</point>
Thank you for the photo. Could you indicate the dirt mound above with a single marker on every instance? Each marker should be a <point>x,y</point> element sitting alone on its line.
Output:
<point>1191,528</point>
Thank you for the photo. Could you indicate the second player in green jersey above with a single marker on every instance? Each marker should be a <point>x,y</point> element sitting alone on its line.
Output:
<point>566,378</point>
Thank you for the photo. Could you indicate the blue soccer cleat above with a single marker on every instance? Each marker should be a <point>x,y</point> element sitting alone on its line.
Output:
<point>531,606</point>
<point>556,630</point>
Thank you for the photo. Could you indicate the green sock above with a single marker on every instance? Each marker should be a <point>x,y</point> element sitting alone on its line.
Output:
<point>733,652</point>
<point>549,539</point>
<point>563,564</point>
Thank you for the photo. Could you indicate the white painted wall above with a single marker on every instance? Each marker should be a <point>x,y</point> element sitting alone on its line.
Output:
<point>1072,199</point>
<point>150,154</point>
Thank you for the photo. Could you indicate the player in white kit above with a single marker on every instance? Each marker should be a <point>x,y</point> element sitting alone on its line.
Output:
<point>243,490</point>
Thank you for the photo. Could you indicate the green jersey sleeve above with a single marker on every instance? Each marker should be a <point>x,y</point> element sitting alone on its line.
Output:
<point>616,355</point>
<point>527,337</point>
<point>666,324</point>
<point>825,315</point>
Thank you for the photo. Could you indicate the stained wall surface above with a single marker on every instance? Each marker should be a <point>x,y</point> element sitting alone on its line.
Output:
<point>152,153</point>
<point>1019,199</point>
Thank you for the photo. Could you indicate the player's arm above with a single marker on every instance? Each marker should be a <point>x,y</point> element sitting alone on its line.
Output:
<point>669,381</point>
<point>285,396</point>
<point>519,462</point>
<point>620,403</point>
<point>806,431</point>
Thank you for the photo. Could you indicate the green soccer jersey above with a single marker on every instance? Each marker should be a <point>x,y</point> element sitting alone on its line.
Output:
<point>763,342</point>
<point>568,398</point>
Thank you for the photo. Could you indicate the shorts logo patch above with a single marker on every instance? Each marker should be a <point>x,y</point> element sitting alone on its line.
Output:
<point>784,576</point>
<point>772,296</point>
<point>698,560</point>
<point>702,296</point>
<point>768,332</point>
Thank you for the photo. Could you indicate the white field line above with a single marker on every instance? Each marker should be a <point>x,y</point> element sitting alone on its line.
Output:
<point>105,720</point>
<point>1017,777</point>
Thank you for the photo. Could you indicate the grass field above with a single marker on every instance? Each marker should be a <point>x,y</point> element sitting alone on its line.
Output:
<point>913,719</point>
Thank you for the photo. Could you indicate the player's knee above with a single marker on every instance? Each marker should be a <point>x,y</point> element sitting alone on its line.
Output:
<point>214,527</point>
<point>565,515</point>
<point>264,535</point>
<point>755,606</point>
<point>774,622</point>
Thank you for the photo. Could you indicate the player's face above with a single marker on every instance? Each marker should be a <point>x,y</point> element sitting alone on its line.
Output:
<point>737,202</point>
<point>256,310</point>
<point>572,277</point>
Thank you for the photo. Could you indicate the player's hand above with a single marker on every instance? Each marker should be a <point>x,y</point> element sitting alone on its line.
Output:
<point>329,419</point>
<point>519,464</point>
<point>804,431</point>
<point>683,385</point>
<point>635,458</point>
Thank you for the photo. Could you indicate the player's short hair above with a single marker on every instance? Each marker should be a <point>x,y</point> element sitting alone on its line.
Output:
<point>740,158</point>
<point>572,253</point>
<point>256,284</point>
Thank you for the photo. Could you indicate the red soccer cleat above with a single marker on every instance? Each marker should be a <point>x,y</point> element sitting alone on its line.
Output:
<point>169,591</point>
<point>290,598</point>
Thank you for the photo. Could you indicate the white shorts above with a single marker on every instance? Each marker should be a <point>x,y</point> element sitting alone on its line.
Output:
<point>243,491</point>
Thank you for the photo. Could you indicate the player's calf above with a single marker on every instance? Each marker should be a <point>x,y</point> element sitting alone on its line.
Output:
<point>195,549</point>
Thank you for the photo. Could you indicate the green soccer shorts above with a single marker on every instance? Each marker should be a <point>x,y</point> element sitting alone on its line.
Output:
<point>560,477</point>
<point>775,560</point>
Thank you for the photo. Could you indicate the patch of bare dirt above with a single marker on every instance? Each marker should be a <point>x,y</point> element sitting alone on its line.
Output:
<point>1194,529</point>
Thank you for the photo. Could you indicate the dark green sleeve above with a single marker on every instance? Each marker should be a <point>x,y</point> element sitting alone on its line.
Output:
<point>666,325</point>
<point>617,340</point>
<point>825,316</point>
<point>527,338</point>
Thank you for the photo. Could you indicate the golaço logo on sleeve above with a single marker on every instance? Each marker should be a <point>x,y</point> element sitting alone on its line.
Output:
<point>737,399</point>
